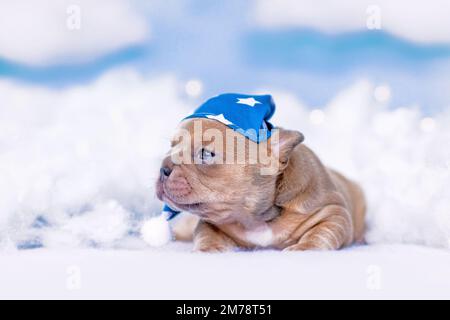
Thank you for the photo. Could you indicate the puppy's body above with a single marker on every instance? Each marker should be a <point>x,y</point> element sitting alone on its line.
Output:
<point>318,209</point>
<point>304,206</point>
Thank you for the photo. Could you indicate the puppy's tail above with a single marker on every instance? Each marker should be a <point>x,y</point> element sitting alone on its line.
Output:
<point>183,227</point>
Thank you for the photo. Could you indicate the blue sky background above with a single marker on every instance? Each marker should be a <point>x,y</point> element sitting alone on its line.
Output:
<point>217,43</point>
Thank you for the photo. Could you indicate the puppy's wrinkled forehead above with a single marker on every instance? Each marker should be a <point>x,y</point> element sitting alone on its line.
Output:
<point>199,136</point>
<point>199,131</point>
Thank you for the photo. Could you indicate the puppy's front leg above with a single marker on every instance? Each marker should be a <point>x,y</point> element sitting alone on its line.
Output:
<point>208,238</point>
<point>331,233</point>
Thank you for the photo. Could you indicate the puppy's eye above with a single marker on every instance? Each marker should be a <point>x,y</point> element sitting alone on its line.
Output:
<point>206,156</point>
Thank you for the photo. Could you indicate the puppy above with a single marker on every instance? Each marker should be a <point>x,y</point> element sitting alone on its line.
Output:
<point>299,205</point>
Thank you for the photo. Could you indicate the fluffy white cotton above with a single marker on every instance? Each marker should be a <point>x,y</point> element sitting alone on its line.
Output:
<point>66,154</point>
<point>422,21</point>
<point>78,165</point>
<point>156,231</point>
<point>48,32</point>
<point>102,225</point>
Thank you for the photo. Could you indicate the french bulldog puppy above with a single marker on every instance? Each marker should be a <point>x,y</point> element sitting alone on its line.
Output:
<point>296,204</point>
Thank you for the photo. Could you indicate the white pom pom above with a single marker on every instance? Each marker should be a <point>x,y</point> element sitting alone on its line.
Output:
<point>156,231</point>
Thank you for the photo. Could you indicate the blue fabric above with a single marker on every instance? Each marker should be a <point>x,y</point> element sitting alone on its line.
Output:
<point>246,114</point>
<point>172,213</point>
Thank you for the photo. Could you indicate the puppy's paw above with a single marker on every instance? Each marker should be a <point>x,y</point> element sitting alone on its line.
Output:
<point>211,248</point>
<point>304,247</point>
<point>295,247</point>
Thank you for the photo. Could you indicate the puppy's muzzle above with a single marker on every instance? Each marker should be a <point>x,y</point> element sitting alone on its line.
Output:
<point>175,184</point>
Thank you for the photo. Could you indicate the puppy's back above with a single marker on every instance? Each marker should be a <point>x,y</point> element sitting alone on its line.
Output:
<point>356,200</point>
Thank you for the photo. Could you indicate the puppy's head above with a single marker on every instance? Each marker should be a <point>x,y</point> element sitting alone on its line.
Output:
<point>220,175</point>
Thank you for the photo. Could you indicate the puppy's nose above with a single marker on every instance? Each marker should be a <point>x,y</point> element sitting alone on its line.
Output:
<point>165,171</point>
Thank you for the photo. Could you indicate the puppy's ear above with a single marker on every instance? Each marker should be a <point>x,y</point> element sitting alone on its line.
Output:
<point>283,142</point>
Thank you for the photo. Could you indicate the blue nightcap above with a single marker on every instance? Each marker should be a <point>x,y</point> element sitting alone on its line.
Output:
<point>171,213</point>
<point>246,114</point>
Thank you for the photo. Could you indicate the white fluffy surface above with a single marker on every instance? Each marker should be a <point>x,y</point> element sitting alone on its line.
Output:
<point>84,157</point>
<point>378,272</point>
<point>156,231</point>
<point>77,166</point>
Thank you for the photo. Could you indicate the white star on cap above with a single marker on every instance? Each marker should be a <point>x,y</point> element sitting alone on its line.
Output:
<point>248,101</point>
<point>220,118</point>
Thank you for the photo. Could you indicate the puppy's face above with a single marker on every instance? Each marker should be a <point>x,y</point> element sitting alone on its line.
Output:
<point>219,174</point>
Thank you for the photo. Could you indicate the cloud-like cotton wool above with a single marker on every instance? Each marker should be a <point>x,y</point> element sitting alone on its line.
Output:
<point>64,154</point>
<point>78,165</point>
<point>47,32</point>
